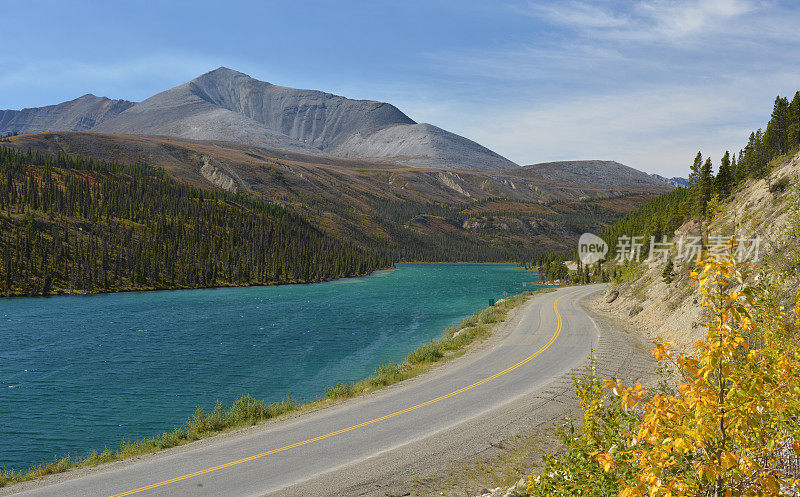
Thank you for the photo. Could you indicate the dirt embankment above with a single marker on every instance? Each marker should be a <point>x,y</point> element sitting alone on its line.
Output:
<point>672,311</point>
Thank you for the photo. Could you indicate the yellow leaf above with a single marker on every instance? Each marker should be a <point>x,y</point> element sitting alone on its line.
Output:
<point>630,492</point>
<point>606,461</point>
<point>728,460</point>
<point>681,445</point>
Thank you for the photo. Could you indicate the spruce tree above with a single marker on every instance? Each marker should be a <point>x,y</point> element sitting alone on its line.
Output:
<point>705,188</point>
<point>741,165</point>
<point>755,155</point>
<point>793,130</point>
<point>725,177</point>
<point>694,174</point>
<point>82,225</point>
<point>776,135</point>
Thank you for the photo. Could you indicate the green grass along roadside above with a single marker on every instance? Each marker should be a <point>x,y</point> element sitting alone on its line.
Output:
<point>247,411</point>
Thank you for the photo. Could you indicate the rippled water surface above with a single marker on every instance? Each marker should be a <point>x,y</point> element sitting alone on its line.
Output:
<point>82,373</point>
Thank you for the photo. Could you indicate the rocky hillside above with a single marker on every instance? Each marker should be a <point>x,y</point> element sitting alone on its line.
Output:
<point>416,145</point>
<point>81,114</point>
<point>421,214</point>
<point>226,105</point>
<point>573,174</point>
<point>760,208</point>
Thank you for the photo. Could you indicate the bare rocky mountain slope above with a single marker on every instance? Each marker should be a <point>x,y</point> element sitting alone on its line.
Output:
<point>80,114</point>
<point>602,172</point>
<point>230,106</point>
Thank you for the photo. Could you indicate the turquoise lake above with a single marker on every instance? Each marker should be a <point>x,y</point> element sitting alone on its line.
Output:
<point>82,373</point>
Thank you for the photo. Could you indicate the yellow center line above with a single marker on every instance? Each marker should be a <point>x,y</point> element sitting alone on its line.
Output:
<point>365,423</point>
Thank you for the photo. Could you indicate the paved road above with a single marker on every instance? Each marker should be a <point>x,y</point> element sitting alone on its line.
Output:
<point>552,336</point>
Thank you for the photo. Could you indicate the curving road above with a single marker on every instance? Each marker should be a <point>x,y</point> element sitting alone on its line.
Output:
<point>551,336</point>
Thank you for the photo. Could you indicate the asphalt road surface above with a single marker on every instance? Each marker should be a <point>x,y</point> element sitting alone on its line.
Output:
<point>552,336</point>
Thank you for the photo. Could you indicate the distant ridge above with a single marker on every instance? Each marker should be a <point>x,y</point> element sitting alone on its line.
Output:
<point>601,172</point>
<point>675,181</point>
<point>81,114</point>
<point>227,105</point>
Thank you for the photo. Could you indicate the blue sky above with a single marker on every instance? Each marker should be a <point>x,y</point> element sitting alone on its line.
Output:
<point>647,82</point>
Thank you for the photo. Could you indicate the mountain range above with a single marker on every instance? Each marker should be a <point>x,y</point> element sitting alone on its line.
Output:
<point>357,170</point>
<point>423,214</point>
<point>226,105</point>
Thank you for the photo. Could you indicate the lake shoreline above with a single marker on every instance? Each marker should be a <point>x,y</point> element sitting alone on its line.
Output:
<point>63,293</point>
<point>456,341</point>
<point>194,348</point>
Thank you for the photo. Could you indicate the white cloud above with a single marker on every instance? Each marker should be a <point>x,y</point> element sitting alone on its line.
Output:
<point>573,13</point>
<point>645,82</point>
<point>661,21</point>
<point>677,19</point>
<point>655,129</point>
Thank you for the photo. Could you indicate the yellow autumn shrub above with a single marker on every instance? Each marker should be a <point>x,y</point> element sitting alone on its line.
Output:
<point>731,427</point>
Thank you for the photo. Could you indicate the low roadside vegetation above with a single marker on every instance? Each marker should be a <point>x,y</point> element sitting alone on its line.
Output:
<point>248,411</point>
<point>245,411</point>
<point>726,423</point>
<point>453,343</point>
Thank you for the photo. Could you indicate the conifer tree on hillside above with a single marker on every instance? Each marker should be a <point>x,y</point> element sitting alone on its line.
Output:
<point>776,135</point>
<point>725,176</point>
<point>793,129</point>
<point>78,225</point>
<point>755,156</point>
<point>694,180</point>
<point>694,173</point>
<point>701,182</point>
<point>665,213</point>
<point>668,274</point>
<point>705,188</point>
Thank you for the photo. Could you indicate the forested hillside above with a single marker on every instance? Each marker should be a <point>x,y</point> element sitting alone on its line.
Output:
<point>411,214</point>
<point>704,198</point>
<point>765,150</point>
<point>721,414</point>
<point>78,225</point>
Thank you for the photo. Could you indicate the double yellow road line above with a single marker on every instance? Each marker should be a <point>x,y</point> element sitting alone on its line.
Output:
<point>365,423</point>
